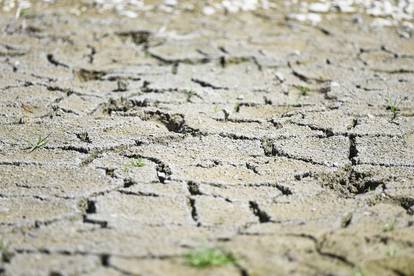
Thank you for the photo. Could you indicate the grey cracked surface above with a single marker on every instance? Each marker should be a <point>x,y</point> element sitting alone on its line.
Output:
<point>289,145</point>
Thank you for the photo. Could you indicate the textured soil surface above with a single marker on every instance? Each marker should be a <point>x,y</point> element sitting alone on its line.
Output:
<point>127,143</point>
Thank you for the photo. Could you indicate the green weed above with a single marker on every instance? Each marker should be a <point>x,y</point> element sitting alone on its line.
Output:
<point>24,12</point>
<point>393,106</point>
<point>205,257</point>
<point>135,163</point>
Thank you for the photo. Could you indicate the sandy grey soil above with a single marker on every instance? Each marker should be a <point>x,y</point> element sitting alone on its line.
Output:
<point>126,143</point>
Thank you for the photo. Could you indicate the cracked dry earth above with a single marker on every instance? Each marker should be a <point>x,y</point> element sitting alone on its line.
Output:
<point>123,147</point>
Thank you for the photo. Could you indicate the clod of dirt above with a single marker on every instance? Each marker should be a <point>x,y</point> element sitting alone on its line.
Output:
<point>89,75</point>
<point>347,182</point>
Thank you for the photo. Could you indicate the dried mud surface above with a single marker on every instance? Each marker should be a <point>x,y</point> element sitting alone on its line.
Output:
<point>289,145</point>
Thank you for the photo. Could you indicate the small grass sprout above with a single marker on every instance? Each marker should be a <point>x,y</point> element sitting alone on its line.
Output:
<point>40,143</point>
<point>393,106</point>
<point>5,253</point>
<point>389,226</point>
<point>22,12</point>
<point>392,252</point>
<point>358,273</point>
<point>190,94</point>
<point>206,257</point>
<point>216,108</point>
<point>135,163</point>
<point>304,90</point>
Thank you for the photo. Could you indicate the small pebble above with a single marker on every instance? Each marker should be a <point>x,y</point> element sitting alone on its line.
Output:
<point>319,7</point>
<point>209,10</point>
<point>280,77</point>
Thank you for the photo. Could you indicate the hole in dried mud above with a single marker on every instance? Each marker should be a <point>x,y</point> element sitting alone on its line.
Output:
<point>110,172</point>
<point>163,173</point>
<point>193,188</point>
<point>105,260</point>
<point>353,152</point>
<point>90,207</point>
<point>128,182</point>
<point>84,137</point>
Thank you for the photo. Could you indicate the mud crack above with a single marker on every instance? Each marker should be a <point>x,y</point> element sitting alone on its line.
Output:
<point>262,216</point>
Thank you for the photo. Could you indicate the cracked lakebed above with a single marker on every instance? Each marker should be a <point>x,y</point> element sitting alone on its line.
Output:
<point>122,148</point>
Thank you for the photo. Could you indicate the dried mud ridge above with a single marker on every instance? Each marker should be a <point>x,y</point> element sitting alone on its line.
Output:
<point>123,147</point>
